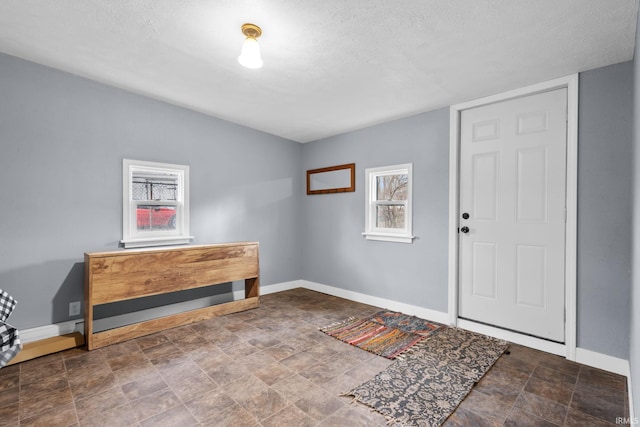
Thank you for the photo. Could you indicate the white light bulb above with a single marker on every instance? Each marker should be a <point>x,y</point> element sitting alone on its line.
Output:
<point>250,55</point>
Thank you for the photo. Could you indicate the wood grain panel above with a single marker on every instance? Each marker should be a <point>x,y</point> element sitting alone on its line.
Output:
<point>134,275</point>
<point>129,274</point>
<point>113,336</point>
<point>131,261</point>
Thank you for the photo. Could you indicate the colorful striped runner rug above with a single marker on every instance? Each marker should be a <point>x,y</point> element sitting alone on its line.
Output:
<point>386,333</point>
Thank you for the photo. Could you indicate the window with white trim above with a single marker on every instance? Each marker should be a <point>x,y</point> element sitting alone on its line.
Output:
<point>388,203</point>
<point>155,205</point>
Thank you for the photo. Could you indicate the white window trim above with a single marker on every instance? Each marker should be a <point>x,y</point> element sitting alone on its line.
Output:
<point>386,234</point>
<point>131,238</point>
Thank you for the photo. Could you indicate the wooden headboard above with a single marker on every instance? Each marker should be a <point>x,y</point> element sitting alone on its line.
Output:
<point>134,273</point>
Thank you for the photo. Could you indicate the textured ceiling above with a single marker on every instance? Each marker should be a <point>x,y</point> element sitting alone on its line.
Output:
<point>330,66</point>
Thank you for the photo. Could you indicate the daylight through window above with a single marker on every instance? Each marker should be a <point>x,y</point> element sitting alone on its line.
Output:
<point>155,204</point>
<point>388,204</point>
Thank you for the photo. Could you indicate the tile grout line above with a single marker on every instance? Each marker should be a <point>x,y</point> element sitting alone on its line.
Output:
<point>513,405</point>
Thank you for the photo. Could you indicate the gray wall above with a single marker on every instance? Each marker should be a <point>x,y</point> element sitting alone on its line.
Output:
<point>605,169</point>
<point>337,255</point>
<point>634,353</point>
<point>335,252</point>
<point>62,140</point>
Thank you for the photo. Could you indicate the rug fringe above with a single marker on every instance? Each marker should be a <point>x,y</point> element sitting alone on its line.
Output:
<point>416,348</point>
<point>337,323</point>
<point>355,400</point>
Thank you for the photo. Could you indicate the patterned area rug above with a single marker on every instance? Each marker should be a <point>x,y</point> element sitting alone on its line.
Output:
<point>386,333</point>
<point>427,385</point>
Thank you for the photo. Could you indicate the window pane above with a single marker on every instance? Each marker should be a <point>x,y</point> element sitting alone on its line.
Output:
<point>392,187</point>
<point>154,186</point>
<point>156,217</point>
<point>390,216</point>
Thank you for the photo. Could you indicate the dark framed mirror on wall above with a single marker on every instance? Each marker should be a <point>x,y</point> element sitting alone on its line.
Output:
<point>332,179</point>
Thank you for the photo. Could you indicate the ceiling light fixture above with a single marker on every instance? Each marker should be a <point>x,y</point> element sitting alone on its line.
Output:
<point>250,55</point>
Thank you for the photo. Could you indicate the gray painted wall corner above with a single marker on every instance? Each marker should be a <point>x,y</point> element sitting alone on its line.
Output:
<point>634,346</point>
<point>335,252</point>
<point>605,168</point>
<point>337,255</point>
<point>63,139</point>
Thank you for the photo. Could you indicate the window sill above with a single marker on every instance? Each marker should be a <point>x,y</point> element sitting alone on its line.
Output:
<point>156,241</point>
<point>389,237</point>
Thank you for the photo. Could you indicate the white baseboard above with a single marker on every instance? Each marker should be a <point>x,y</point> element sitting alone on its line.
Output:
<point>632,412</point>
<point>603,361</point>
<point>424,313</point>
<point>49,331</point>
<point>57,329</point>
<point>271,289</point>
<point>161,311</point>
<point>586,357</point>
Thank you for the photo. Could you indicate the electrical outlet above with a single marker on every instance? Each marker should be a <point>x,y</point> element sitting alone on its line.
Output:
<point>74,308</point>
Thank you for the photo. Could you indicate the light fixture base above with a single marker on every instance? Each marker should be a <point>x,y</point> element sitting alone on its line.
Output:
<point>251,30</point>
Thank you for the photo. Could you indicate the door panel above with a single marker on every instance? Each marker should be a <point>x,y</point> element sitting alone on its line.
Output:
<point>531,275</point>
<point>513,185</point>
<point>483,131</point>
<point>485,186</point>
<point>484,269</point>
<point>533,122</point>
<point>531,190</point>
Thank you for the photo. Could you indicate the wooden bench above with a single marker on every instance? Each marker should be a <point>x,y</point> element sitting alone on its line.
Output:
<point>135,273</point>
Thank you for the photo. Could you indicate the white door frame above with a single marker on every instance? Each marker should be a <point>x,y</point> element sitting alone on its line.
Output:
<point>568,349</point>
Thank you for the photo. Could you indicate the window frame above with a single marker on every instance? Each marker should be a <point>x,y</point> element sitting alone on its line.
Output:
<point>372,232</point>
<point>134,238</point>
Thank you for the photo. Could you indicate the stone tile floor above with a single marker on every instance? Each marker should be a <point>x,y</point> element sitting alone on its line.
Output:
<point>272,367</point>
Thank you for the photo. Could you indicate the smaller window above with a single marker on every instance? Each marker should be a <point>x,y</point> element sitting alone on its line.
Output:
<point>388,203</point>
<point>155,204</point>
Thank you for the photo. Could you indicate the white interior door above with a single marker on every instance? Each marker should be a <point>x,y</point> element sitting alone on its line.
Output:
<point>513,214</point>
